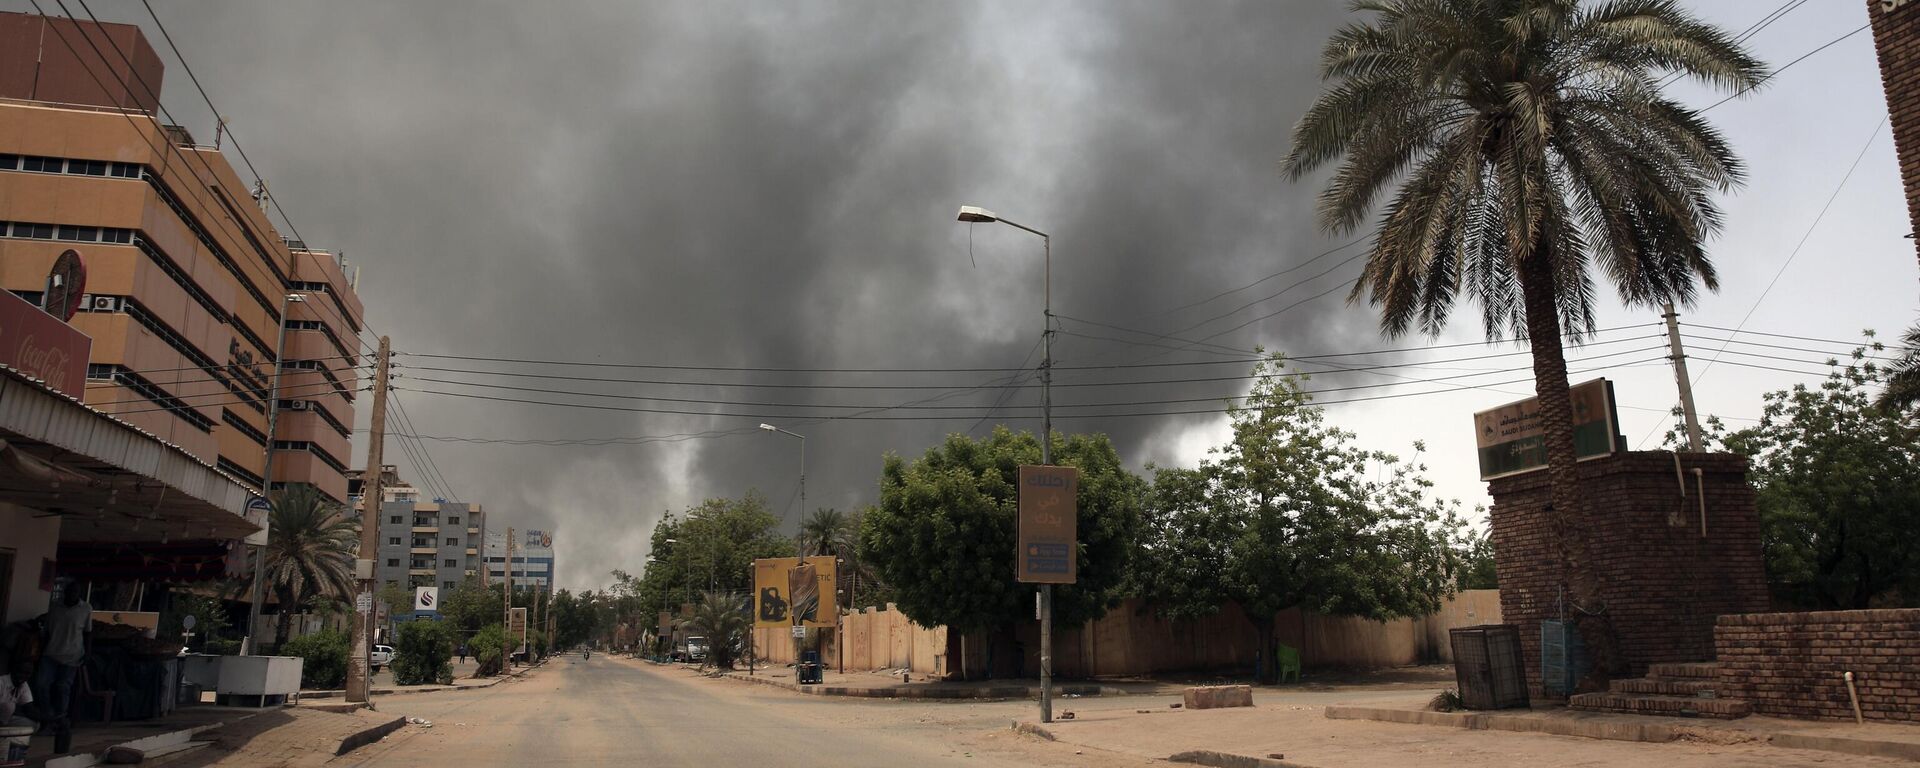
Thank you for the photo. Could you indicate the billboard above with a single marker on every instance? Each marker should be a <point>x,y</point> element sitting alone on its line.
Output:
<point>426,599</point>
<point>1049,525</point>
<point>42,347</point>
<point>1512,441</point>
<point>788,592</point>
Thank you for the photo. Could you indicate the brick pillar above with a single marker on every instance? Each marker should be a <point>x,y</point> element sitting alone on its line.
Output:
<point>1664,581</point>
<point>1896,37</point>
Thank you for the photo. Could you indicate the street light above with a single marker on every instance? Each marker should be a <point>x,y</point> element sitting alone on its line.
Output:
<point>803,477</point>
<point>266,471</point>
<point>977,215</point>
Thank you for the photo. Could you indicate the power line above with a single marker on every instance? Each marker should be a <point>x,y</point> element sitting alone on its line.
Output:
<point>1816,340</point>
<point>1752,29</point>
<point>1288,270</point>
<point>1785,67</point>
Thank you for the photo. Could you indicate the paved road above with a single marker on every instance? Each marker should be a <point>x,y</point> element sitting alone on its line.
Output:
<point>607,711</point>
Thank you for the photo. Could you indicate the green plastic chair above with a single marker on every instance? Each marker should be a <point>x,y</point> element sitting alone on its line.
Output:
<point>1288,659</point>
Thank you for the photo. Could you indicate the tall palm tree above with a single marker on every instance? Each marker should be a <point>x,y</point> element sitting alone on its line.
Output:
<point>1903,377</point>
<point>1527,141</point>
<point>826,532</point>
<point>310,544</point>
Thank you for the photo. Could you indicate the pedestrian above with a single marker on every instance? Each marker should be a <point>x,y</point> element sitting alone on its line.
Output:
<point>67,625</point>
<point>20,645</point>
<point>463,653</point>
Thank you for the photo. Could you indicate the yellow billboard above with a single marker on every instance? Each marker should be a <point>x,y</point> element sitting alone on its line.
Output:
<point>789,592</point>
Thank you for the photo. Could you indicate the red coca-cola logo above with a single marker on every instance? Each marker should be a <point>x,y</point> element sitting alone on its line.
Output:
<point>48,364</point>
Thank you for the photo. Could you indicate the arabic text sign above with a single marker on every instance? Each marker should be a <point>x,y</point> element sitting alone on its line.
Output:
<point>1511,440</point>
<point>1049,520</point>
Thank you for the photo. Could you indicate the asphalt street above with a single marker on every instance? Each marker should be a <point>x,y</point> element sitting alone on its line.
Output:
<point>607,711</point>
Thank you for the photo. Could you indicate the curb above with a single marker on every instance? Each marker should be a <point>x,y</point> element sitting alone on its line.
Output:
<point>1613,730</point>
<point>156,741</point>
<point>996,693</point>
<point>495,680</point>
<point>1229,760</point>
<point>369,735</point>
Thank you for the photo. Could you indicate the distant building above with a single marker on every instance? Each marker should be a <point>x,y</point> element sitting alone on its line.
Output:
<point>423,543</point>
<point>532,558</point>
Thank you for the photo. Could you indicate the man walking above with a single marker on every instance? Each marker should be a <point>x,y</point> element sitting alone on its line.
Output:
<point>67,624</point>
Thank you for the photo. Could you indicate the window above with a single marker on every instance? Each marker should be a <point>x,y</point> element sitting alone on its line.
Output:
<point>453,520</point>
<point>446,586</point>
<point>422,520</point>
<point>42,164</point>
<point>452,542</point>
<point>9,162</point>
<point>78,234</point>
<point>394,540</point>
<point>451,563</point>
<point>393,562</point>
<point>423,541</point>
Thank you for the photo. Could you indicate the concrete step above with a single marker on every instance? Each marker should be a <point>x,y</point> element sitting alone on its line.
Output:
<point>1648,704</point>
<point>1664,687</point>
<point>1694,670</point>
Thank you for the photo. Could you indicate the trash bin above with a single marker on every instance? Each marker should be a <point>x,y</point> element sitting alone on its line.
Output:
<point>809,671</point>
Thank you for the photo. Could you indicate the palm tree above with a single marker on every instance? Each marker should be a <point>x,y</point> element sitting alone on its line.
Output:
<point>310,545</point>
<point>1903,377</point>
<point>1528,141</point>
<point>826,532</point>
<point>721,621</point>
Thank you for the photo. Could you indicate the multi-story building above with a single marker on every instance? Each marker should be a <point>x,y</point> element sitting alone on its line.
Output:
<point>426,543</point>
<point>532,559</point>
<point>187,282</point>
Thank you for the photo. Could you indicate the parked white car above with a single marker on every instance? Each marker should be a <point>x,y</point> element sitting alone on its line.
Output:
<point>382,656</point>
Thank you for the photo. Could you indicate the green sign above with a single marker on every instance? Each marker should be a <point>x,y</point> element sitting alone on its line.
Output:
<point>1511,440</point>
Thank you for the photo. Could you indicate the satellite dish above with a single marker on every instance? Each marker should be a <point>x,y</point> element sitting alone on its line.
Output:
<point>66,283</point>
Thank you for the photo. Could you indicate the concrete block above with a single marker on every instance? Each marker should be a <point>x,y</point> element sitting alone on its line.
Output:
<point>1218,696</point>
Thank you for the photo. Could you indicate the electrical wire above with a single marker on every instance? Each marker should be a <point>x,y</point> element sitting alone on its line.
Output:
<point>1784,67</point>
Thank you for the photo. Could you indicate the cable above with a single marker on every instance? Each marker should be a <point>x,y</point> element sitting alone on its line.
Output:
<point>1831,353</point>
<point>1751,30</point>
<point>407,422</point>
<point>1007,391</point>
<point>1785,67</point>
<point>1288,270</point>
<point>1782,336</point>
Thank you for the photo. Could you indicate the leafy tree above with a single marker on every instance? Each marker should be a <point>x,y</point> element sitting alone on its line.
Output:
<point>1476,562</point>
<point>718,618</point>
<point>471,605</point>
<point>943,534</point>
<point>209,615</point>
<point>712,545</point>
<point>1528,140</point>
<point>310,546</point>
<point>397,597</point>
<point>422,652</point>
<point>1838,483</point>
<point>488,649</point>
<point>1292,514</point>
<point>323,657</point>
<point>1903,377</point>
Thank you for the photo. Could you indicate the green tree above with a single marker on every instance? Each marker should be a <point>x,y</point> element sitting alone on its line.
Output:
<point>209,616</point>
<point>397,597</point>
<point>488,649</point>
<point>718,618</point>
<point>309,554</point>
<point>471,605</point>
<point>323,657</point>
<point>713,545</point>
<point>1529,140</point>
<point>943,535</point>
<point>1838,483</point>
<point>1290,514</point>
<point>1476,562</point>
<point>1903,377</point>
<point>422,652</point>
<point>826,532</point>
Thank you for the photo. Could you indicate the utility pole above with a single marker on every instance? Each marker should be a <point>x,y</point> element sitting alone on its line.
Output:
<point>506,615</point>
<point>1694,443</point>
<point>247,646</point>
<point>359,683</point>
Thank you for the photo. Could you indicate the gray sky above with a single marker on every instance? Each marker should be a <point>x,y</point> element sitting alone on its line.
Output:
<point>774,184</point>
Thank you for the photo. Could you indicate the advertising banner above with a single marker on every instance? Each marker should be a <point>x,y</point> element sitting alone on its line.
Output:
<point>1512,441</point>
<point>787,591</point>
<point>1049,525</point>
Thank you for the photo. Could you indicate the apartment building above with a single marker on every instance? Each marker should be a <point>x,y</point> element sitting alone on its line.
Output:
<point>426,542</point>
<point>188,284</point>
<point>532,559</point>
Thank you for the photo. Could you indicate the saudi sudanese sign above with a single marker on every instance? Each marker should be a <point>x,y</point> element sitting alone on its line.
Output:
<point>1048,537</point>
<point>1511,440</point>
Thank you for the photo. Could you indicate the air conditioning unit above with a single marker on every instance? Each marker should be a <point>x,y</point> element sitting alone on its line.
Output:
<point>106,304</point>
<point>298,405</point>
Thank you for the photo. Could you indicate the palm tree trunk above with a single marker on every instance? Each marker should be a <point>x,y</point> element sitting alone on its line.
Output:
<point>1567,511</point>
<point>285,596</point>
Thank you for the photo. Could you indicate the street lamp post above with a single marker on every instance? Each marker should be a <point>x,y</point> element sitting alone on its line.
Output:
<point>976,215</point>
<point>266,472</point>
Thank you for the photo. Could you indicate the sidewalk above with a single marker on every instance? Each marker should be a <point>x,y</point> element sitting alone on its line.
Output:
<point>877,685</point>
<point>460,683</point>
<point>1310,729</point>
<point>285,732</point>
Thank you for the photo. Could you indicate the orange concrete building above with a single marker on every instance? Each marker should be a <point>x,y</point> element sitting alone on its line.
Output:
<point>186,277</point>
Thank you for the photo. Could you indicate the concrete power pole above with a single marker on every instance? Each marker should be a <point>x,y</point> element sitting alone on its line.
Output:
<point>1694,443</point>
<point>506,616</point>
<point>359,682</point>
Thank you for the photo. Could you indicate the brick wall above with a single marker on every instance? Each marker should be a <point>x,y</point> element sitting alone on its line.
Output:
<point>1663,580</point>
<point>1791,664</point>
<point>1896,36</point>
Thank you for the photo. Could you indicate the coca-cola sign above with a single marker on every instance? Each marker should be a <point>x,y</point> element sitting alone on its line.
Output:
<point>39,345</point>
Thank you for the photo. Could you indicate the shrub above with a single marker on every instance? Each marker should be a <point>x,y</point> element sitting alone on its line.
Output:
<point>486,646</point>
<point>220,646</point>
<point>422,652</point>
<point>323,657</point>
